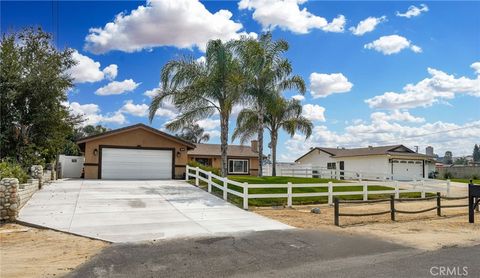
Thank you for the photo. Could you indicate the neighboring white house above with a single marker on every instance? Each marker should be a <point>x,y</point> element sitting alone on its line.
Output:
<point>389,162</point>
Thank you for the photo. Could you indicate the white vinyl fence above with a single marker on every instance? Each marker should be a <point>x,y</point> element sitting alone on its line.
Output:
<point>211,180</point>
<point>315,171</point>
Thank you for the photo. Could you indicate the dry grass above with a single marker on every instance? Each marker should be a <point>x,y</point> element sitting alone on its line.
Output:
<point>30,252</point>
<point>424,231</point>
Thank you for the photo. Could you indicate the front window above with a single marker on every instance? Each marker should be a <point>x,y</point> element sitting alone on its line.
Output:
<point>331,165</point>
<point>204,161</point>
<point>238,166</point>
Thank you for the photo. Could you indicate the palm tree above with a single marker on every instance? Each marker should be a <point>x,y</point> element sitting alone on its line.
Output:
<point>201,89</point>
<point>266,73</point>
<point>279,114</point>
<point>194,133</point>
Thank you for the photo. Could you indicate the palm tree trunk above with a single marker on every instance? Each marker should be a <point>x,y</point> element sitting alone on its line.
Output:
<point>274,139</point>
<point>261,112</point>
<point>224,144</point>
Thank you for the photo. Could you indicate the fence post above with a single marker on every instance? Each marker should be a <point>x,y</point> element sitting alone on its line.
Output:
<point>289,194</point>
<point>448,188</point>
<point>225,187</point>
<point>392,207</point>
<point>336,212</point>
<point>423,189</point>
<point>365,191</point>
<point>196,176</point>
<point>245,195</point>
<point>330,193</point>
<point>209,187</point>
<point>397,190</point>
<point>439,206</point>
<point>186,172</point>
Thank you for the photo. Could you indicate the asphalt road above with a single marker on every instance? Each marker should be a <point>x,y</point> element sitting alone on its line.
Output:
<point>292,253</point>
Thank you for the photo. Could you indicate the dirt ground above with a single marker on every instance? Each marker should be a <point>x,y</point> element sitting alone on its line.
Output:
<point>423,231</point>
<point>31,252</point>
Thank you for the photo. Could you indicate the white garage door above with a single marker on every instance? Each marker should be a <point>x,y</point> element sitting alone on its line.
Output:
<point>136,164</point>
<point>407,169</point>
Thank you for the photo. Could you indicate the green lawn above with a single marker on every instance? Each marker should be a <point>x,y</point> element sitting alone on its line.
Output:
<point>297,200</point>
<point>277,180</point>
<point>465,181</point>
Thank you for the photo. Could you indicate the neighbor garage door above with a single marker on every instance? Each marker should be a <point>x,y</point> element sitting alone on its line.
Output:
<point>136,164</point>
<point>407,169</point>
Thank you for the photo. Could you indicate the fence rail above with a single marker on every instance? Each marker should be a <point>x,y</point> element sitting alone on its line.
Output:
<point>393,211</point>
<point>223,183</point>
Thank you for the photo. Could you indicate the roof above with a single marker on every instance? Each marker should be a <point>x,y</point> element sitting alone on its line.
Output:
<point>214,150</point>
<point>397,150</point>
<point>132,127</point>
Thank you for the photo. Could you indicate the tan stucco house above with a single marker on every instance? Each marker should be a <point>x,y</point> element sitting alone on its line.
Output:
<point>143,152</point>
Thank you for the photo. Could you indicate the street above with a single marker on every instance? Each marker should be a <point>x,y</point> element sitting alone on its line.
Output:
<point>293,253</point>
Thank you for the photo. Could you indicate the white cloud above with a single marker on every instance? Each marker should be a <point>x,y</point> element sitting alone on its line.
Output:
<point>298,97</point>
<point>413,11</point>
<point>392,44</point>
<point>213,133</point>
<point>179,23</point>
<point>117,87</point>
<point>139,110</point>
<point>476,67</point>
<point>151,93</point>
<point>395,116</point>
<point>201,59</point>
<point>439,87</point>
<point>87,70</point>
<point>209,124</point>
<point>322,85</point>
<point>287,15</point>
<point>314,112</point>
<point>367,25</point>
<point>111,71</point>
<point>458,138</point>
<point>91,114</point>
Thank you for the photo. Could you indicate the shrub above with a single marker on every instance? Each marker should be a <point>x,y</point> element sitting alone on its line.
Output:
<point>475,177</point>
<point>11,170</point>
<point>193,163</point>
<point>447,175</point>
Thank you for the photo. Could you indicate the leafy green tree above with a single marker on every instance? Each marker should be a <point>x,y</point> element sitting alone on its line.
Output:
<point>460,161</point>
<point>201,89</point>
<point>476,153</point>
<point>194,133</point>
<point>279,114</point>
<point>266,73</point>
<point>33,83</point>
<point>448,158</point>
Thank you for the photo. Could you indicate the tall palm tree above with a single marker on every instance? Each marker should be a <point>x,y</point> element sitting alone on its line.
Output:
<point>266,73</point>
<point>201,89</point>
<point>194,133</point>
<point>279,114</point>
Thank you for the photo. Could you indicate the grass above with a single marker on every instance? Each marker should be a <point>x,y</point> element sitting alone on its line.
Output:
<point>279,180</point>
<point>465,181</point>
<point>296,200</point>
<point>475,181</point>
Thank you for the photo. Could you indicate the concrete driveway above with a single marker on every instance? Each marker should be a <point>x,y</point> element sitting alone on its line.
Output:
<point>124,211</point>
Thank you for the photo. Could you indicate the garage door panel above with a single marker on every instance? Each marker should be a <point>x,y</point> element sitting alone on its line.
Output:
<point>407,170</point>
<point>136,164</point>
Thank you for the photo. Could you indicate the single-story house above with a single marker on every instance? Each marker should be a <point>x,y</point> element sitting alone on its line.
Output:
<point>143,152</point>
<point>242,160</point>
<point>392,162</point>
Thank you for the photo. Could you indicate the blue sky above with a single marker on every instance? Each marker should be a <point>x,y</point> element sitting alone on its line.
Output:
<point>357,59</point>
